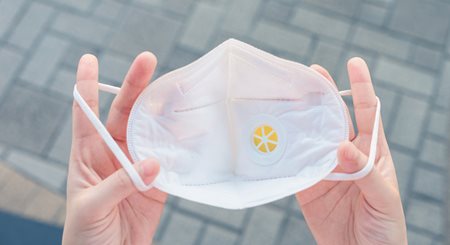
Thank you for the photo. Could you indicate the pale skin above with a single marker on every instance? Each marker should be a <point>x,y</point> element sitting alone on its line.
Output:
<point>368,210</point>
<point>104,207</point>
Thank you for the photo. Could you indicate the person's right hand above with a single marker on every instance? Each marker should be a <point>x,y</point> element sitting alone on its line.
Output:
<point>368,210</point>
<point>103,205</point>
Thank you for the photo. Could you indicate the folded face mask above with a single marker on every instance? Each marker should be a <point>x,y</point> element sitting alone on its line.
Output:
<point>237,128</point>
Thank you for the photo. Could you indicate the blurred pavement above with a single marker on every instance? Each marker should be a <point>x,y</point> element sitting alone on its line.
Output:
<point>405,42</point>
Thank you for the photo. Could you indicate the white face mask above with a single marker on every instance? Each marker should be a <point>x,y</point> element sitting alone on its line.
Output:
<point>237,128</point>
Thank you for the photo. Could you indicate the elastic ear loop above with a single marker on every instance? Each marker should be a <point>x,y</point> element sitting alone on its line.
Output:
<point>373,149</point>
<point>118,153</point>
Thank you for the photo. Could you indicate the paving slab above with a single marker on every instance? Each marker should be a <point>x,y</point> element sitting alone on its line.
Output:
<point>422,19</point>
<point>81,28</point>
<point>345,7</point>
<point>63,82</point>
<point>48,174</point>
<point>197,38</point>
<point>9,10</point>
<point>327,54</point>
<point>426,215</point>
<point>9,64</point>
<point>406,44</point>
<point>439,123</point>
<point>321,24</point>
<point>409,122</point>
<point>405,76</point>
<point>232,218</point>
<point>404,166</point>
<point>372,13</point>
<point>240,16</point>
<point>114,67</point>
<point>427,57</point>
<point>31,24</point>
<point>182,229</point>
<point>435,153</point>
<point>277,11</point>
<point>430,183</point>
<point>60,150</point>
<point>443,98</point>
<point>39,117</point>
<point>296,232</point>
<point>49,52</point>
<point>141,32</point>
<point>381,42</point>
<point>281,38</point>
<point>214,235</point>
<point>78,5</point>
<point>25,198</point>
<point>263,226</point>
<point>109,10</point>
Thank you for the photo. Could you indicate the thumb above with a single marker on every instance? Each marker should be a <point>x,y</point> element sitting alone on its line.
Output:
<point>118,186</point>
<point>375,189</point>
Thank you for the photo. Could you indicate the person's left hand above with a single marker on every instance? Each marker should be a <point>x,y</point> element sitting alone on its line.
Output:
<point>103,205</point>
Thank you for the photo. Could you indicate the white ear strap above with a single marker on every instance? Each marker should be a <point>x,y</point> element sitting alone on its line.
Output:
<point>118,153</point>
<point>373,149</point>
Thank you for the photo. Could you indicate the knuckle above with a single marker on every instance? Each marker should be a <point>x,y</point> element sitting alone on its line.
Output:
<point>366,105</point>
<point>125,110</point>
<point>122,108</point>
<point>92,103</point>
<point>76,106</point>
<point>135,83</point>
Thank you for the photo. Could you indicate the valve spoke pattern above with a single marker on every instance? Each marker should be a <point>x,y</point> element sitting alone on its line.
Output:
<point>265,139</point>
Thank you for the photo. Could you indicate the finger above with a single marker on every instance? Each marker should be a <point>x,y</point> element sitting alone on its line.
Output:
<point>375,189</point>
<point>135,81</point>
<point>364,98</point>
<point>119,186</point>
<point>327,75</point>
<point>324,73</point>
<point>87,85</point>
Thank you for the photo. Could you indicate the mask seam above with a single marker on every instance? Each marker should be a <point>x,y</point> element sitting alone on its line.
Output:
<point>138,103</point>
<point>245,180</point>
<point>267,99</point>
<point>197,107</point>
<point>171,75</point>
<point>231,127</point>
<point>130,131</point>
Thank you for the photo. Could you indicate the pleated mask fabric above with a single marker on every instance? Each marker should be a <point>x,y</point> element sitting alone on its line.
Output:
<point>237,128</point>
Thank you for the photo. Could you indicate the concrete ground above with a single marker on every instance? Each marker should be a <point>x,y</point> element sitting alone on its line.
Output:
<point>405,42</point>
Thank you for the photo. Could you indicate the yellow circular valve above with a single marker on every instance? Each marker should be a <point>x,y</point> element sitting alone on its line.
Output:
<point>265,139</point>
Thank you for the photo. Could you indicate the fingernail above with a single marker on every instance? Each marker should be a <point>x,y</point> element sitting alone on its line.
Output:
<point>348,155</point>
<point>349,151</point>
<point>148,170</point>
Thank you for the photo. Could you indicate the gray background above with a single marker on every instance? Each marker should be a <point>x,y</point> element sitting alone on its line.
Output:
<point>405,42</point>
